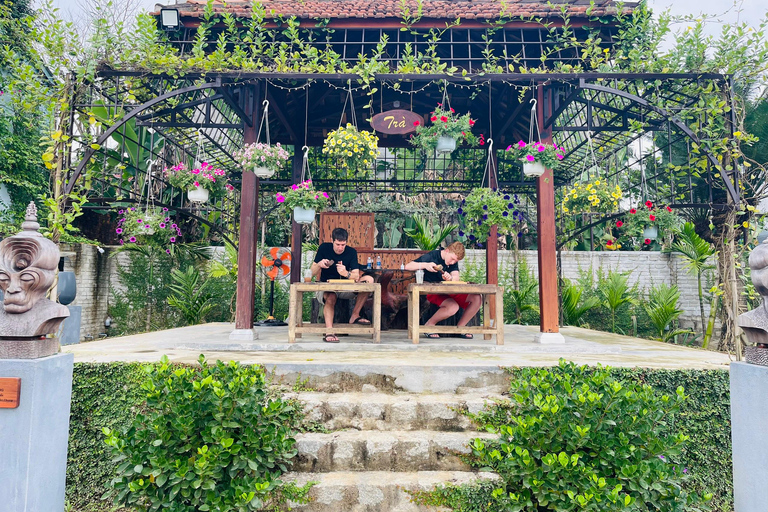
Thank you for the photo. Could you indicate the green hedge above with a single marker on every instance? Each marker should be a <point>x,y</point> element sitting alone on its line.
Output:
<point>107,395</point>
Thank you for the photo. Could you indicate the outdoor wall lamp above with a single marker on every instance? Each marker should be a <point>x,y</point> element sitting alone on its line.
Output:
<point>169,18</point>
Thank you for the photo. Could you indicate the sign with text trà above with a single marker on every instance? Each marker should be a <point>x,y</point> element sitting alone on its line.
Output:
<point>396,122</point>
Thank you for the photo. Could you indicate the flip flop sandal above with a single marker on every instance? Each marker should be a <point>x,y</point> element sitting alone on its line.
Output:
<point>330,338</point>
<point>432,335</point>
<point>362,321</point>
<point>466,336</point>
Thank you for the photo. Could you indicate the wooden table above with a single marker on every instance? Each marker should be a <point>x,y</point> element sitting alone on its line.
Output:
<point>296,326</point>
<point>485,290</point>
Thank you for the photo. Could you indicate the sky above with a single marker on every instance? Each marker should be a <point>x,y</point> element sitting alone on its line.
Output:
<point>728,12</point>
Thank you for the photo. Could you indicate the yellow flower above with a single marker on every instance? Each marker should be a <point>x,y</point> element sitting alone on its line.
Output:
<point>597,183</point>
<point>354,137</point>
<point>565,209</point>
<point>745,224</point>
<point>618,246</point>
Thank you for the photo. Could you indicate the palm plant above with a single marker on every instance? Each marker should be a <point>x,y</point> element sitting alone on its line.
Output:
<point>425,236</point>
<point>522,299</point>
<point>662,309</point>
<point>696,252</point>
<point>616,292</point>
<point>572,310</point>
<point>189,296</point>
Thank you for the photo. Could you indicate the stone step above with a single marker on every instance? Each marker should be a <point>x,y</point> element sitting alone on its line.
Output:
<point>375,491</point>
<point>402,411</point>
<point>383,451</point>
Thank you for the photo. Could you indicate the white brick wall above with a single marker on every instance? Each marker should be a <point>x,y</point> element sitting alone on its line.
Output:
<point>95,271</point>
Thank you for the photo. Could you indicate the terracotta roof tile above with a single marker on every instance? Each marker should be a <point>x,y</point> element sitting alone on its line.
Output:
<point>391,9</point>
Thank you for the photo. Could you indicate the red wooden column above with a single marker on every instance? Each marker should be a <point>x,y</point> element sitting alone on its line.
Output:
<point>492,246</point>
<point>298,159</point>
<point>549,330</point>
<point>249,223</point>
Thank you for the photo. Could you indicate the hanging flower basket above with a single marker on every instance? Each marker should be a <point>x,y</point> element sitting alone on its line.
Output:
<point>536,156</point>
<point>352,150</point>
<point>202,176</point>
<point>595,196</point>
<point>263,159</point>
<point>148,226</point>
<point>198,195</point>
<point>646,223</point>
<point>303,200</point>
<point>446,131</point>
<point>483,208</point>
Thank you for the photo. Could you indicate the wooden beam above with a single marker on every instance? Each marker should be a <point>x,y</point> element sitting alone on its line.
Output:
<point>275,106</point>
<point>249,214</point>
<point>545,208</point>
<point>298,158</point>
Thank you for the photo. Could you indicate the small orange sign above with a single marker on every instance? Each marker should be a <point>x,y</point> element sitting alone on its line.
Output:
<point>10,391</point>
<point>396,122</point>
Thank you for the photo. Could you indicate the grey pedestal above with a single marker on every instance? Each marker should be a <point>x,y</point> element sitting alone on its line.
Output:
<point>33,437</point>
<point>70,329</point>
<point>749,418</point>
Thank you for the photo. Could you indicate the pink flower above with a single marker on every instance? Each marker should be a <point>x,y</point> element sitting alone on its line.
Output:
<point>509,147</point>
<point>119,230</point>
<point>325,195</point>
<point>521,144</point>
<point>195,171</point>
<point>530,158</point>
<point>197,184</point>
<point>540,148</point>
<point>317,197</point>
<point>132,240</point>
<point>559,156</point>
<point>294,186</point>
<point>280,198</point>
<point>173,239</point>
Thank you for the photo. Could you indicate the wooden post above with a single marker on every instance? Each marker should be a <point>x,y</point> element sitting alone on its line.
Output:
<point>492,246</point>
<point>298,158</point>
<point>249,215</point>
<point>545,209</point>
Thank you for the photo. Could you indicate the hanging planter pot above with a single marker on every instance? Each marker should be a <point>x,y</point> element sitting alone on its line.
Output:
<point>534,169</point>
<point>198,194</point>
<point>445,144</point>
<point>263,172</point>
<point>303,215</point>
<point>651,232</point>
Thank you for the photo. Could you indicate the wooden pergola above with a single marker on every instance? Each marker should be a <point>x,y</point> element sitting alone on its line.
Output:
<point>226,108</point>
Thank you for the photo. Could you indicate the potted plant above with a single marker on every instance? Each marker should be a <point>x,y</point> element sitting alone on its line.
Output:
<point>483,208</point>
<point>536,156</point>
<point>595,196</point>
<point>647,222</point>
<point>262,159</point>
<point>446,131</point>
<point>352,150</point>
<point>151,226</point>
<point>304,200</point>
<point>199,182</point>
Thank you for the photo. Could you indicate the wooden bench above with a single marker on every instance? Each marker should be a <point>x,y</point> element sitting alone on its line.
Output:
<point>485,290</point>
<point>296,326</point>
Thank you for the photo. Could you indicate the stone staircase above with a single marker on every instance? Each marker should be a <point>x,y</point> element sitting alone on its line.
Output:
<point>375,444</point>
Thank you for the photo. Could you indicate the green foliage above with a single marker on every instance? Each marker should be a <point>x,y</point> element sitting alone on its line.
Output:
<point>572,305</point>
<point>521,300</point>
<point>662,310</point>
<point>302,195</point>
<point>576,438</point>
<point>425,236</point>
<point>537,152</point>
<point>210,438</point>
<point>445,123</point>
<point>191,298</point>
<point>483,208</point>
<point>696,252</point>
<point>21,169</point>
<point>616,293</point>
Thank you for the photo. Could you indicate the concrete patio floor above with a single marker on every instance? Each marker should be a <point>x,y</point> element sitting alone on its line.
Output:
<point>582,346</point>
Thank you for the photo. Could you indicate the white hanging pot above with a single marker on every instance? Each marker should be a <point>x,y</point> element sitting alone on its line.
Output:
<point>198,194</point>
<point>533,168</point>
<point>445,144</point>
<point>263,172</point>
<point>303,215</point>
<point>651,232</point>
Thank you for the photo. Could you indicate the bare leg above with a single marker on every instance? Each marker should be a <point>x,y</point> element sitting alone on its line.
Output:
<point>448,308</point>
<point>360,300</point>
<point>472,309</point>
<point>329,307</point>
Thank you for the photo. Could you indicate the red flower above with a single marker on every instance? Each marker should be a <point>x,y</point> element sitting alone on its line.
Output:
<point>444,119</point>
<point>416,123</point>
<point>471,123</point>
<point>633,211</point>
<point>652,217</point>
<point>433,118</point>
<point>619,224</point>
<point>453,111</point>
<point>669,209</point>
<point>647,241</point>
<point>649,204</point>
<point>609,243</point>
<point>464,134</point>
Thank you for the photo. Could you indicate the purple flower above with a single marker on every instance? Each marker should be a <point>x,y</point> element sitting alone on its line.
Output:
<point>167,219</point>
<point>461,233</point>
<point>174,226</point>
<point>480,245</point>
<point>662,457</point>
<point>505,214</point>
<point>479,223</point>
<point>120,211</point>
<point>168,251</point>
<point>471,237</point>
<point>165,209</point>
<point>506,197</point>
<point>510,206</point>
<point>520,234</point>
<point>162,225</point>
<point>485,216</point>
<point>139,221</point>
<point>121,241</point>
<point>173,239</point>
<point>485,207</point>
<point>132,239</point>
<point>460,211</point>
<point>685,470</point>
<point>119,231</point>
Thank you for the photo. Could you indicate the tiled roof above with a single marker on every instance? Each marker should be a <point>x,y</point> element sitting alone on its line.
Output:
<point>391,9</point>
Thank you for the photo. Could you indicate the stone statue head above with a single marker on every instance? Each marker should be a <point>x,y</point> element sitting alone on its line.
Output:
<point>758,263</point>
<point>28,264</point>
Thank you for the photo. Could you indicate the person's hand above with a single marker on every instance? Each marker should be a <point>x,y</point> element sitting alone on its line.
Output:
<point>430,267</point>
<point>341,269</point>
<point>447,276</point>
<point>325,263</point>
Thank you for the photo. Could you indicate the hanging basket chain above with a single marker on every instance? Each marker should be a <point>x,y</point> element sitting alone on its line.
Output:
<point>264,122</point>
<point>534,122</point>
<point>349,99</point>
<point>490,167</point>
<point>305,174</point>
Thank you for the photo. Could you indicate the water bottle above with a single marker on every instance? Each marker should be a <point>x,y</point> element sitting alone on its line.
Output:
<point>378,262</point>
<point>402,265</point>
<point>369,263</point>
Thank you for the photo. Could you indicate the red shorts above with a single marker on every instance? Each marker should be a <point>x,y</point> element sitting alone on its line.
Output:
<point>438,299</point>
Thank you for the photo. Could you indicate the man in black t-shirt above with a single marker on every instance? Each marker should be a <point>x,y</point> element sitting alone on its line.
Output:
<point>443,265</point>
<point>337,261</point>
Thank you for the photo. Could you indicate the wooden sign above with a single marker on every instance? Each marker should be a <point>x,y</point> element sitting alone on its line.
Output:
<point>396,122</point>
<point>10,389</point>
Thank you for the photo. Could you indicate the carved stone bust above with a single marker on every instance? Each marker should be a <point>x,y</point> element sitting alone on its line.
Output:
<point>755,322</point>
<point>28,264</point>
